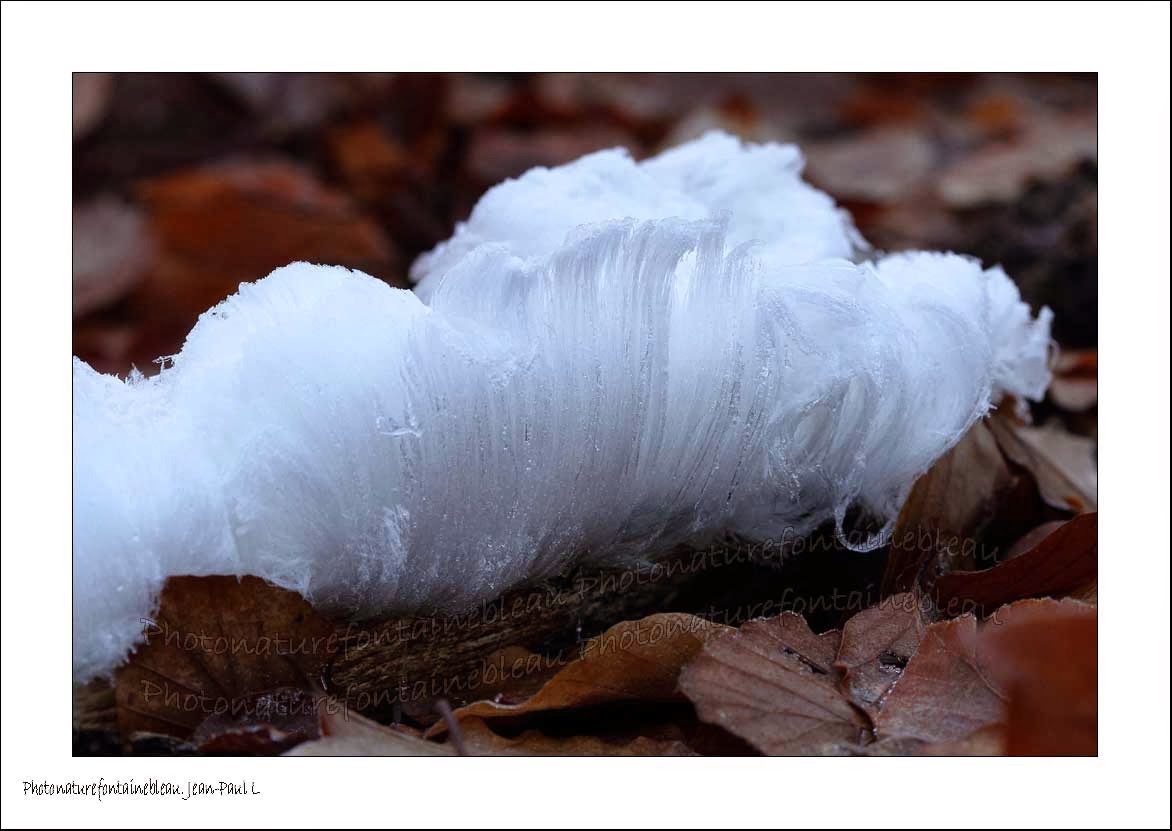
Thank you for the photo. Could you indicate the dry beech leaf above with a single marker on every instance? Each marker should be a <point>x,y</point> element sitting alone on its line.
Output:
<point>1023,682</point>
<point>634,660</point>
<point>944,694</point>
<point>349,734</point>
<point>773,683</point>
<point>946,507</point>
<point>480,740</point>
<point>1063,562</point>
<point>223,647</point>
<point>1045,654</point>
<point>877,644</point>
<point>1062,463</point>
<point>345,733</point>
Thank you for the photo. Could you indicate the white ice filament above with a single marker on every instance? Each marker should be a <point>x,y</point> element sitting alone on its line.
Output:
<point>613,358</point>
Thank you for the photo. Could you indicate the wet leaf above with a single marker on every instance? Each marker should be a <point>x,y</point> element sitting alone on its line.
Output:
<point>773,683</point>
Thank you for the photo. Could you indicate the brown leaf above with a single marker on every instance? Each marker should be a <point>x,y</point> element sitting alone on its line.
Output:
<point>1062,463</point>
<point>218,226</point>
<point>1064,562</point>
<point>214,646</point>
<point>877,644</point>
<point>635,660</point>
<point>1023,682</point>
<point>881,165</point>
<point>349,734</point>
<point>112,251</point>
<point>773,684</point>
<point>945,509</point>
<point>1000,172</point>
<point>1045,654</point>
<point>944,694</point>
<point>346,733</point>
<point>480,740</point>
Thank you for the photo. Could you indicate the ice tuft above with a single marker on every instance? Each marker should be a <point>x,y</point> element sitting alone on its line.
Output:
<point>613,358</point>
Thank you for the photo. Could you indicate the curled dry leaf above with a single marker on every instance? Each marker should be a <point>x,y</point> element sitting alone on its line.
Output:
<point>947,507</point>
<point>225,651</point>
<point>1064,562</point>
<point>877,644</point>
<point>1062,463</point>
<point>634,660</point>
<point>773,683</point>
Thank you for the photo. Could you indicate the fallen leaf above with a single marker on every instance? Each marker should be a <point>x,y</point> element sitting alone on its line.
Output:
<point>349,734</point>
<point>346,733</point>
<point>772,682</point>
<point>877,644</point>
<point>1044,653</point>
<point>944,694</point>
<point>1022,682</point>
<point>1063,562</point>
<point>213,648</point>
<point>1001,171</point>
<point>881,165</point>
<point>948,505</point>
<point>267,724</point>
<point>480,740</point>
<point>634,660</point>
<point>218,226</point>
<point>112,251</point>
<point>1062,463</point>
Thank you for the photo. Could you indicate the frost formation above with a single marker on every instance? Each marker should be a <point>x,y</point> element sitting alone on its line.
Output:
<point>609,358</point>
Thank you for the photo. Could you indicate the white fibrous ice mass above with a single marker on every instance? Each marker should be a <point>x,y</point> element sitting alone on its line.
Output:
<point>606,360</point>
